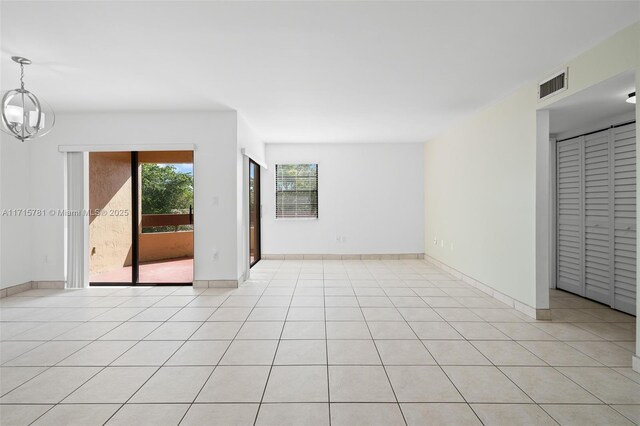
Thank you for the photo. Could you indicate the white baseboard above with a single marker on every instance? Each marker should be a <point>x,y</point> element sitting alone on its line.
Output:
<point>538,314</point>
<point>49,284</point>
<point>398,256</point>
<point>15,289</point>
<point>215,283</point>
<point>19,288</point>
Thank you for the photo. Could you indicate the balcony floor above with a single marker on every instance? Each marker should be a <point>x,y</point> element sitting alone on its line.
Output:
<point>161,271</point>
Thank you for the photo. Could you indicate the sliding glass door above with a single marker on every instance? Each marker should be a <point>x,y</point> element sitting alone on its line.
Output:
<point>111,228</point>
<point>254,212</point>
<point>141,224</point>
<point>165,239</point>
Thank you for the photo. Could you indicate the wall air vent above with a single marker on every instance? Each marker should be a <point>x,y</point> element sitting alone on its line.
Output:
<point>555,84</point>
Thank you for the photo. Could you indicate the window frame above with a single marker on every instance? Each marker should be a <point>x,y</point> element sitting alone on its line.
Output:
<point>317,191</point>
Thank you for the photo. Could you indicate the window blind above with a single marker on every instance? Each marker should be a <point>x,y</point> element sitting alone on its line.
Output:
<point>296,190</point>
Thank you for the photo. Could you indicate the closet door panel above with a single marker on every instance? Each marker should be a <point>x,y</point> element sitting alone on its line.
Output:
<point>597,218</point>
<point>570,263</point>
<point>624,167</point>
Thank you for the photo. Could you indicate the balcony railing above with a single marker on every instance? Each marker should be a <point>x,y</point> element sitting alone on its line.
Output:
<point>167,219</point>
<point>162,240</point>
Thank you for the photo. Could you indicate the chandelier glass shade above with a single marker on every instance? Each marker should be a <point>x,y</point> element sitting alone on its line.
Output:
<point>24,116</point>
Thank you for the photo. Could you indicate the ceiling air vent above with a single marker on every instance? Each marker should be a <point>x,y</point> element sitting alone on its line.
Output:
<point>552,85</point>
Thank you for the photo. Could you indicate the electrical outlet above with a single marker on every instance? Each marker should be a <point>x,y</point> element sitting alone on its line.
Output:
<point>435,241</point>
<point>215,255</point>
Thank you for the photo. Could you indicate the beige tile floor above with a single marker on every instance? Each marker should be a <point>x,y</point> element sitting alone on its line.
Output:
<point>313,342</point>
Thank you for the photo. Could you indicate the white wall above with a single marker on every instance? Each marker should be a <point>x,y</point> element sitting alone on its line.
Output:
<point>214,135</point>
<point>253,147</point>
<point>480,197</point>
<point>15,244</point>
<point>636,359</point>
<point>370,194</point>
<point>480,178</point>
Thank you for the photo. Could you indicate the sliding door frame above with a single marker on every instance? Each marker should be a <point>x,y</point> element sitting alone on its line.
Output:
<point>256,189</point>
<point>135,234</point>
<point>135,220</point>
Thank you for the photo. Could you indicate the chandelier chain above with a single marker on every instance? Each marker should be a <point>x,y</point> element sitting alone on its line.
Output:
<point>22,76</point>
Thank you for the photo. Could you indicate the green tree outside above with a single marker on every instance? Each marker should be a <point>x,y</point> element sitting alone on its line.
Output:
<point>166,190</point>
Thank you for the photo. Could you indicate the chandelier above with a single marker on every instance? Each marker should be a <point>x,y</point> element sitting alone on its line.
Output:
<point>24,116</point>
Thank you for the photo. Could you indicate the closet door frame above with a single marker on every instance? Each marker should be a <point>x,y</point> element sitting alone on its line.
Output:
<point>554,258</point>
<point>612,216</point>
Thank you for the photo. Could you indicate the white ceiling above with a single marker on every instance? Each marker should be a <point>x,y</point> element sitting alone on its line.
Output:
<point>300,71</point>
<point>593,107</point>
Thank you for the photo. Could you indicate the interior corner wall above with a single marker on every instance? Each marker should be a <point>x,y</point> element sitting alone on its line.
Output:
<point>544,205</point>
<point>480,196</point>
<point>370,195</point>
<point>215,199</point>
<point>254,148</point>
<point>637,359</point>
<point>1,168</point>
<point>480,178</point>
<point>15,225</point>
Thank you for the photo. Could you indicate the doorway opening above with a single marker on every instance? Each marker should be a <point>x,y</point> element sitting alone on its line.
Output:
<point>593,134</point>
<point>141,218</point>
<point>255,213</point>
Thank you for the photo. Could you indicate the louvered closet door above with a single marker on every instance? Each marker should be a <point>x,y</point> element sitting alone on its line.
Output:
<point>570,269</point>
<point>598,275</point>
<point>624,152</point>
<point>596,216</point>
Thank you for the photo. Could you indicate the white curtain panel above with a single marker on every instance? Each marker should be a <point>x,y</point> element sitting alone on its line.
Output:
<point>77,267</point>
<point>246,267</point>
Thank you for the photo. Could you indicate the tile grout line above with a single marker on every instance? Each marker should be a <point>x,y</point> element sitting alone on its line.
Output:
<point>326,340</point>
<point>435,359</point>
<point>221,356</point>
<point>445,373</point>
<point>165,362</point>
<point>51,340</point>
<point>52,366</point>
<point>494,366</point>
<point>381,362</point>
<point>275,354</point>
<point>83,383</point>
<point>498,367</point>
<point>597,320</point>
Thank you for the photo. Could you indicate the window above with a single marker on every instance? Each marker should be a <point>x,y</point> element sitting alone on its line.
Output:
<point>296,190</point>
